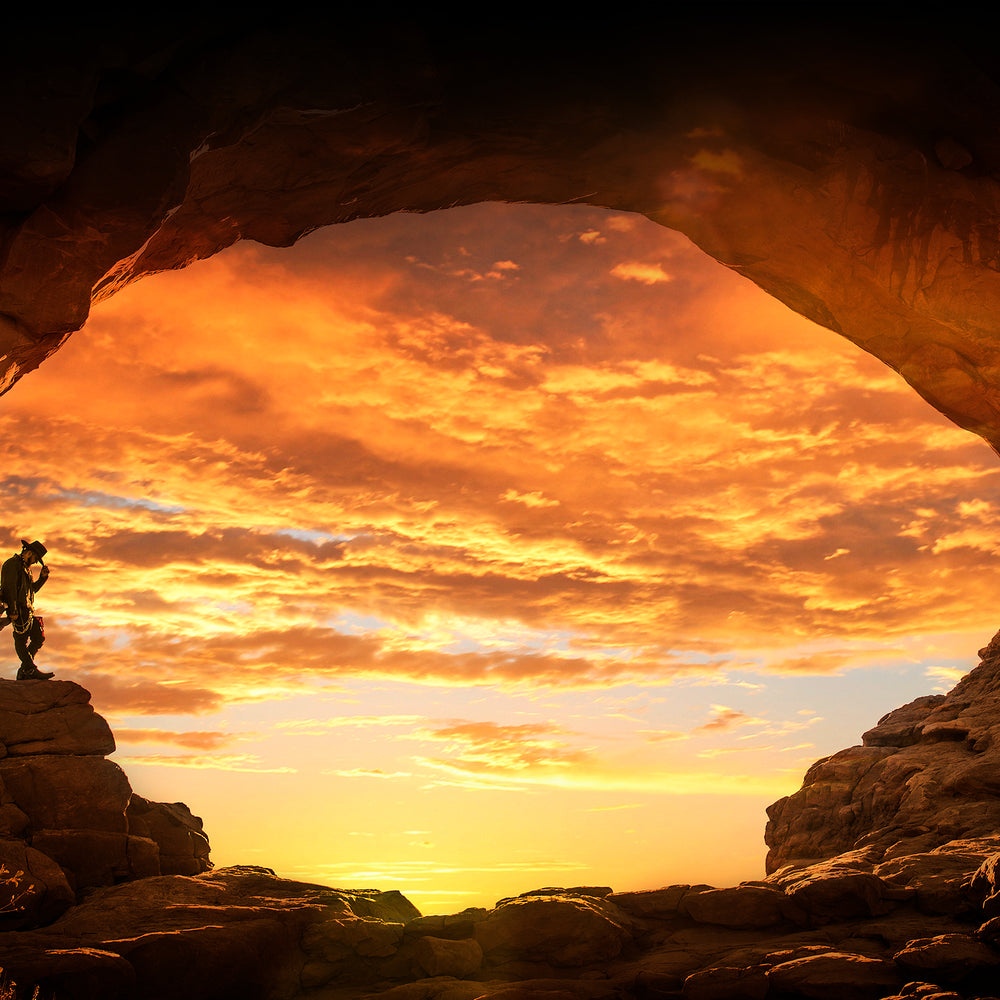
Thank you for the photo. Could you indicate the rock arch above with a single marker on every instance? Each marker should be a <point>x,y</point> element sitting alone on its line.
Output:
<point>852,174</point>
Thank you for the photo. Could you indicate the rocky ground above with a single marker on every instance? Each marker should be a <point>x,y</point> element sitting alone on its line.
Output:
<point>883,882</point>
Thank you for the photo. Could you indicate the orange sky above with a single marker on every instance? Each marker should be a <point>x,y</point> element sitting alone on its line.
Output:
<point>501,547</point>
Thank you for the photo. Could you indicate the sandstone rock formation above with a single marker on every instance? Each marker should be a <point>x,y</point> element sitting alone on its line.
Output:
<point>68,818</point>
<point>927,774</point>
<point>898,900</point>
<point>850,169</point>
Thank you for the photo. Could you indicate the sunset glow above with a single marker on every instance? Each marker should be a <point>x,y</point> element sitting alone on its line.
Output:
<point>501,547</point>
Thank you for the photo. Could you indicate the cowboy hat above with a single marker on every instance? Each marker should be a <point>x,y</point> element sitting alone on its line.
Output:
<point>35,547</point>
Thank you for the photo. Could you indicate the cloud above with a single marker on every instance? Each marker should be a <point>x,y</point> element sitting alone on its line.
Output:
<point>646,274</point>
<point>726,719</point>
<point>370,772</point>
<point>662,736</point>
<point>950,674</point>
<point>216,762</point>
<point>535,499</point>
<point>502,752</point>
<point>190,740</point>
<point>507,492</point>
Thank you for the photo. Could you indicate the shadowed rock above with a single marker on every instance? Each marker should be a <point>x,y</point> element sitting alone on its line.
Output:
<point>853,174</point>
<point>918,919</point>
<point>927,774</point>
<point>53,718</point>
<point>68,818</point>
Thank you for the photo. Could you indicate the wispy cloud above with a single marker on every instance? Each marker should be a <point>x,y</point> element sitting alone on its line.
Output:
<point>201,762</point>
<point>583,461</point>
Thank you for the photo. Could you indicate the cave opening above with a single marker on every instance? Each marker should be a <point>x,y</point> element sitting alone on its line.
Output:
<point>501,546</point>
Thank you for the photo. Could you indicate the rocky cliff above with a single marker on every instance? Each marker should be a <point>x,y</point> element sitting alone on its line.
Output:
<point>928,773</point>
<point>69,821</point>
<point>883,884</point>
<point>849,167</point>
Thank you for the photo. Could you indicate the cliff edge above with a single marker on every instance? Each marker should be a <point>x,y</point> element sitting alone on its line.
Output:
<point>883,884</point>
<point>69,820</point>
<point>926,774</point>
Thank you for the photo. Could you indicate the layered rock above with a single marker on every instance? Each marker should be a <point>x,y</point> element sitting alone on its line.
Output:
<point>927,774</point>
<point>855,175</point>
<point>68,818</point>
<point>245,932</point>
<point>919,919</point>
<point>235,932</point>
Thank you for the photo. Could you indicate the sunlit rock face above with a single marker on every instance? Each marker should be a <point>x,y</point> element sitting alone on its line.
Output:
<point>853,176</point>
<point>927,774</point>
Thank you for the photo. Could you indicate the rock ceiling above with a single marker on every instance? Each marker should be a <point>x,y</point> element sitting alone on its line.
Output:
<point>849,170</point>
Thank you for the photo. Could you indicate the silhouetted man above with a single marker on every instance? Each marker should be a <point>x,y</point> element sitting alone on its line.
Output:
<point>17,590</point>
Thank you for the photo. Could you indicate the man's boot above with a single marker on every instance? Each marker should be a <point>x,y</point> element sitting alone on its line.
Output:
<point>32,673</point>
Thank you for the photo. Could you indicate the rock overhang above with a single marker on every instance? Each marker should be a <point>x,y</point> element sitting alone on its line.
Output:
<point>849,170</point>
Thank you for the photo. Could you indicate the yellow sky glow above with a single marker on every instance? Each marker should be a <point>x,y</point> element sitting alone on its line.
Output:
<point>431,515</point>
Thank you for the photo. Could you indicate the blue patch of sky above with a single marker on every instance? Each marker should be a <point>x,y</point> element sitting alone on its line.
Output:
<point>503,636</point>
<point>350,623</point>
<point>313,535</point>
<point>513,638</point>
<point>94,498</point>
<point>694,656</point>
<point>119,639</point>
<point>234,607</point>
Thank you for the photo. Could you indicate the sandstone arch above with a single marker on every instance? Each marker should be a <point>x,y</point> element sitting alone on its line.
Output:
<point>849,170</point>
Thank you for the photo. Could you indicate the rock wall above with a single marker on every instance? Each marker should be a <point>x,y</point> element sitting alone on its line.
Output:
<point>68,818</point>
<point>833,931</point>
<point>851,170</point>
<point>928,773</point>
<point>896,896</point>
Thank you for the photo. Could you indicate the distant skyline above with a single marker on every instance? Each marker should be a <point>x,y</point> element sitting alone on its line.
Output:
<point>501,547</point>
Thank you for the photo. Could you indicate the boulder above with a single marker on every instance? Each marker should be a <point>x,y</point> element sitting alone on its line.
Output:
<point>182,846</point>
<point>61,798</point>
<point>902,726</point>
<point>236,932</point>
<point>833,975</point>
<point>724,983</point>
<point>654,903</point>
<point>67,793</point>
<point>452,926</point>
<point>835,891</point>
<point>51,718</point>
<point>89,857</point>
<point>924,991</point>
<point>950,958</point>
<point>558,930</point>
<point>445,957</point>
<point>743,906</point>
<point>391,906</point>
<point>74,811</point>
<point>33,888</point>
<point>942,879</point>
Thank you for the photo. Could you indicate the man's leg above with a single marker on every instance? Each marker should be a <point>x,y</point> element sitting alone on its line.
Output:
<point>26,644</point>
<point>36,636</point>
<point>21,648</point>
